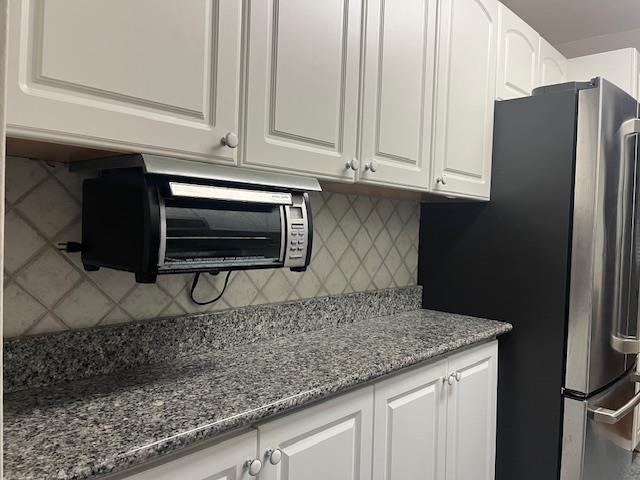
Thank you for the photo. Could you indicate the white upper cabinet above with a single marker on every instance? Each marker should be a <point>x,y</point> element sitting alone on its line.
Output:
<point>152,75</point>
<point>224,461</point>
<point>398,92</point>
<point>410,425</point>
<point>466,83</point>
<point>518,56</point>
<point>471,414</point>
<point>302,87</point>
<point>553,65</point>
<point>329,441</point>
<point>620,67</point>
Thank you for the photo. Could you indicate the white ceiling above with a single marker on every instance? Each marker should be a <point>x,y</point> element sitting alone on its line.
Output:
<point>570,21</point>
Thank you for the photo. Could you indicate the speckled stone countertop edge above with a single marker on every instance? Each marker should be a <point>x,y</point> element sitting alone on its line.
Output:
<point>210,432</point>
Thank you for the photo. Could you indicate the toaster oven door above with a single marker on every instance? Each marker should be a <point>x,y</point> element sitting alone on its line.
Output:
<point>202,234</point>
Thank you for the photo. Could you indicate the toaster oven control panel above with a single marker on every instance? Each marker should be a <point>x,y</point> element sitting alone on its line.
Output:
<point>297,233</point>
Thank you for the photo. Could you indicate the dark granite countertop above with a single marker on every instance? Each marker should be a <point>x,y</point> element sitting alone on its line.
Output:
<point>107,423</point>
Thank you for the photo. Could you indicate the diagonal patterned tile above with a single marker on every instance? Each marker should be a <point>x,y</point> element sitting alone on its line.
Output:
<point>49,277</point>
<point>49,207</point>
<point>24,174</point>
<point>337,243</point>
<point>338,205</point>
<point>84,306</point>
<point>21,242</point>
<point>362,243</point>
<point>21,311</point>
<point>336,282</point>
<point>278,288</point>
<point>145,301</point>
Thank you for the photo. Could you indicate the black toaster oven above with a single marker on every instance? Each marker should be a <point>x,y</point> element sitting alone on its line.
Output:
<point>152,215</point>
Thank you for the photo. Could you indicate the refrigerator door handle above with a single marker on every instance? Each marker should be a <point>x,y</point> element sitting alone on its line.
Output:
<point>605,415</point>
<point>621,342</point>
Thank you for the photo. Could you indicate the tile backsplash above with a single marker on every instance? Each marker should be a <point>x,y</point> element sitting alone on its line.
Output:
<point>360,243</point>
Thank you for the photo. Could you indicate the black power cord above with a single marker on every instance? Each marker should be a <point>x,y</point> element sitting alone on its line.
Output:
<point>195,284</point>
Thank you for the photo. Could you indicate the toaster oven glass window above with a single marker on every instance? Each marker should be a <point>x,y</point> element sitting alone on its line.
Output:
<point>221,234</point>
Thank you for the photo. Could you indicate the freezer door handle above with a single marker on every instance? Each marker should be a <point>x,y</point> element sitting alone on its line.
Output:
<point>608,416</point>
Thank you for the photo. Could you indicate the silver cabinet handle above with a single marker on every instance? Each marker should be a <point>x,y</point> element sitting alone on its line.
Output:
<point>230,140</point>
<point>441,180</point>
<point>605,415</point>
<point>253,465</point>
<point>354,165</point>
<point>458,376</point>
<point>371,166</point>
<point>274,456</point>
<point>450,379</point>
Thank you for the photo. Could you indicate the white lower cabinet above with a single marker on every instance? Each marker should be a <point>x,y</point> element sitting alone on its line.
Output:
<point>434,422</point>
<point>410,425</point>
<point>329,441</point>
<point>471,414</point>
<point>439,421</point>
<point>224,461</point>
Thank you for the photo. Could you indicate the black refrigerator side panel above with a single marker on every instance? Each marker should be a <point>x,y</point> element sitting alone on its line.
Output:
<point>508,260</point>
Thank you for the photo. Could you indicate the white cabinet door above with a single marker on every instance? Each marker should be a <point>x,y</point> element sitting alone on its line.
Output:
<point>398,93</point>
<point>471,414</point>
<point>225,461</point>
<point>409,425</point>
<point>553,65</point>
<point>466,83</point>
<point>332,440</point>
<point>157,76</point>
<point>302,80</point>
<point>617,66</point>
<point>518,56</point>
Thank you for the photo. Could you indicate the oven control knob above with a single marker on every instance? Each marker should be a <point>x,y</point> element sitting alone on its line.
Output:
<point>230,140</point>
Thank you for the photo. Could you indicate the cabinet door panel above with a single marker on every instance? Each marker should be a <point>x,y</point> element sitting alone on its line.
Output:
<point>553,65</point>
<point>109,74</point>
<point>302,86</point>
<point>518,56</point>
<point>331,440</point>
<point>409,425</point>
<point>398,92</point>
<point>224,461</point>
<point>471,415</point>
<point>465,95</point>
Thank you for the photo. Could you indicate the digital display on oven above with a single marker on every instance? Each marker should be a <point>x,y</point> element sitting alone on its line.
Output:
<point>295,213</point>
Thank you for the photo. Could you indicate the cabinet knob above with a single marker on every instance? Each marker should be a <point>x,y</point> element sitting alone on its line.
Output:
<point>442,180</point>
<point>353,165</point>
<point>450,379</point>
<point>372,166</point>
<point>274,456</point>
<point>458,376</point>
<point>253,465</point>
<point>230,140</point>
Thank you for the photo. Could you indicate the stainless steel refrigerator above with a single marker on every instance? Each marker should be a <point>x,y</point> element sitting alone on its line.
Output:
<point>556,252</point>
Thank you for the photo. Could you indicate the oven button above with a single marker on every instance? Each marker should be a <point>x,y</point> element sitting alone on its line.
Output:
<point>295,257</point>
<point>294,233</point>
